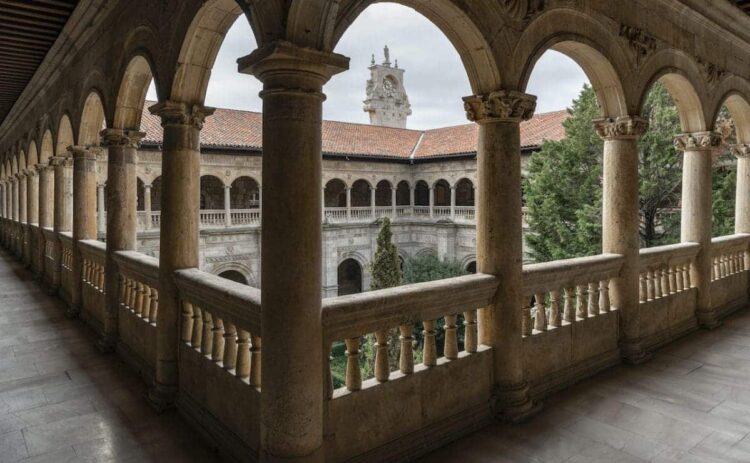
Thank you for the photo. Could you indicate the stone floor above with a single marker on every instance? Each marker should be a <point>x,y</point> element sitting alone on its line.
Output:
<point>690,403</point>
<point>62,401</point>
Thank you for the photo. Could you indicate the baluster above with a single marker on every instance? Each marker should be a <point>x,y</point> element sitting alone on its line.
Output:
<point>714,275</point>
<point>470,331</point>
<point>450,349</point>
<point>593,299</point>
<point>242,368</point>
<point>230,346</point>
<point>581,302</point>
<point>121,290</point>
<point>255,359</point>
<point>217,333</point>
<point>642,288</point>
<point>138,304</point>
<point>554,309</point>
<point>672,280</point>
<point>382,369</point>
<point>154,306</point>
<point>353,373</point>
<point>429,353</point>
<point>651,287</point>
<point>526,327</point>
<point>688,277</point>
<point>658,291</point>
<point>197,338</point>
<point>540,323</point>
<point>568,314</point>
<point>680,278</point>
<point>406,357</point>
<point>102,276</point>
<point>187,321</point>
<point>604,304</point>
<point>207,336</point>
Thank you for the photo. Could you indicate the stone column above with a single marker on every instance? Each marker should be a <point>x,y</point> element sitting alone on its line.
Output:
<point>63,208</point>
<point>46,208</point>
<point>32,213</point>
<point>412,189</point>
<point>393,202</point>
<point>101,217</point>
<point>122,150</point>
<point>84,217</point>
<point>742,202</point>
<point>180,223</point>
<point>620,221</point>
<point>499,241</point>
<point>147,205</point>
<point>453,202</point>
<point>432,202</point>
<point>21,240</point>
<point>372,201</point>
<point>696,215</point>
<point>348,203</point>
<point>293,361</point>
<point>227,206</point>
<point>15,198</point>
<point>2,199</point>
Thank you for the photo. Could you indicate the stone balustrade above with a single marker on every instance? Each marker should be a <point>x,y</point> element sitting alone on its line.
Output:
<point>665,270</point>
<point>66,261</point>
<point>728,254</point>
<point>93,254</point>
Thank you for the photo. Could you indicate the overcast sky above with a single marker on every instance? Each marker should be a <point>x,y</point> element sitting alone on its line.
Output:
<point>435,79</point>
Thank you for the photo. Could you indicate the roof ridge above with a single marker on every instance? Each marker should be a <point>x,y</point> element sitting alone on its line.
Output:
<point>416,146</point>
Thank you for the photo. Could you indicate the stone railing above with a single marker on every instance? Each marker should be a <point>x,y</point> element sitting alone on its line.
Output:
<point>66,262</point>
<point>241,217</point>
<point>728,255</point>
<point>467,213</point>
<point>336,214</point>
<point>51,244</point>
<point>213,218</point>
<point>665,270</point>
<point>32,249</point>
<point>93,254</point>
<point>220,351</point>
<point>138,308</point>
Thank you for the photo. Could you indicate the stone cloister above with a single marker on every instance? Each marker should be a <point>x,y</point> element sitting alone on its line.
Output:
<point>248,367</point>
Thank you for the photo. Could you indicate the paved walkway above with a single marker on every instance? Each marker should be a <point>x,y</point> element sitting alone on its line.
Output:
<point>61,401</point>
<point>689,404</point>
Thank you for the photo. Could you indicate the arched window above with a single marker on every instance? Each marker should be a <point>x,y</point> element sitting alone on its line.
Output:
<point>212,193</point>
<point>442,193</point>
<point>234,275</point>
<point>361,194</point>
<point>140,188</point>
<point>156,194</point>
<point>335,193</point>
<point>349,277</point>
<point>403,194</point>
<point>244,194</point>
<point>422,194</point>
<point>383,193</point>
<point>464,192</point>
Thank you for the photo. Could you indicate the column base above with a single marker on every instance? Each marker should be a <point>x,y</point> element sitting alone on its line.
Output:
<point>162,397</point>
<point>633,353</point>
<point>708,320</point>
<point>511,403</point>
<point>317,456</point>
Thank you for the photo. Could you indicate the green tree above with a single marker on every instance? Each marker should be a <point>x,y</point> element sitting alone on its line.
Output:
<point>429,268</point>
<point>386,266</point>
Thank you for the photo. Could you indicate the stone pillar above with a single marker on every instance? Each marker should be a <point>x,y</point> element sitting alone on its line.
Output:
<point>63,208</point>
<point>147,205</point>
<point>32,213</point>
<point>348,203</point>
<point>696,215</point>
<point>227,206</point>
<point>412,189</point>
<point>393,202</point>
<point>122,150</point>
<point>293,362</point>
<point>84,217</point>
<point>499,241</point>
<point>2,199</point>
<point>432,202</point>
<point>620,221</point>
<point>46,207</point>
<point>15,198</point>
<point>372,201</point>
<point>22,196</point>
<point>742,202</point>
<point>101,217</point>
<point>180,223</point>
<point>453,202</point>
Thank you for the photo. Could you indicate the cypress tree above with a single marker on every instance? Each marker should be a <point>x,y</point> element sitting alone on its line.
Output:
<point>386,266</point>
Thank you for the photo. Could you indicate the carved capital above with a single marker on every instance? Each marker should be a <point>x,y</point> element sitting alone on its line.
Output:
<point>624,127</point>
<point>42,168</point>
<point>503,105</point>
<point>698,141</point>
<point>120,137</point>
<point>740,151</point>
<point>30,172</point>
<point>88,153</point>
<point>178,113</point>
<point>63,161</point>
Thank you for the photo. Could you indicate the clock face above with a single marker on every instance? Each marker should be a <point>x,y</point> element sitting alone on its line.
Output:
<point>388,86</point>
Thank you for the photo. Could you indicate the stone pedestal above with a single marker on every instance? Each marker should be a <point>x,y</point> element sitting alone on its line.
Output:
<point>500,242</point>
<point>84,217</point>
<point>180,221</point>
<point>620,222</point>
<point>293,360</point>
<point>696,215</point>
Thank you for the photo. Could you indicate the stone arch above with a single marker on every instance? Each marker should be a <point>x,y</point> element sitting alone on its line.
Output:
<point>156,194</point>
<point>47,149</point>
<point>236,267</point>
<point>212,193</point>
<point>92,120</point>
<point>586,41</point>
<point>462,30</point>
<point>244,193</point>
<point>403,193</point>
<point>64,135</point>
<point>441,193</point>
<point>424,252</point>
<point>335,193</point>
<point>464,191</point>
<point>739,108</point>
<point>349,277</point>
<point>421,193</point>
<point>383,193</point>
<point>140,193</point>
<point>132,93</point>
<point>21,160</point>
<point>235,276</point>
<point>33,158</point>
<point>361,196</point>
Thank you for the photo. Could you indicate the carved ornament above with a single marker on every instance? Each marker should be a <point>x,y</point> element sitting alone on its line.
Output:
<point>502,105</point>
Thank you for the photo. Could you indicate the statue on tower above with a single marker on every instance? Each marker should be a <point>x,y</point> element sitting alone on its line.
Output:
<point>387,101</point>
<point>387,54</point>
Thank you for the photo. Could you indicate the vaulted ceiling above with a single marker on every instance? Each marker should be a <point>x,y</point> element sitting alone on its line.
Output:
<point>28,29</point>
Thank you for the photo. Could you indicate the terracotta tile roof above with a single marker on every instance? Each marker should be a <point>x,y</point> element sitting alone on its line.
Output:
<point>229,128</point>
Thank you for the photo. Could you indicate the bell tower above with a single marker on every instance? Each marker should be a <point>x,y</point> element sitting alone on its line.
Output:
<point>387,101</point>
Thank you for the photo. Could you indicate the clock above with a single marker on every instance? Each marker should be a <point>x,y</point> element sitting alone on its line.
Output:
<point>388,87</point>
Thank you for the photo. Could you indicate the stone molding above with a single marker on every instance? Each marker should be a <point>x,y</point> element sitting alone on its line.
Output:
<point>711,72</point>
<point>120,137</point>
<point>179,113</point>
<point>31,172</point>
<point>64,160</point>
<point>500,106</point>
<point>740,151</point>
<point>619,128</point>
<point>641,43</point>
<point>698,141</point>
<point>42,167</point>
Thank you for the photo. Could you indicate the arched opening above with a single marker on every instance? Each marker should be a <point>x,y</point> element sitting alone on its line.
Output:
<point>234,275</point>
<point>141,190</point>
<point>132,94</point>
<point>403,194</point>
<point>349,277</point>
<point>422,194</point>
<point>64,136</point>
<point>335,193</point>
<point>212,193</point>
<point>471,267</point>
<point>156,194</point>
<point>383,193</point>
<point>92,121</point>
<point>442,192</point>
<point>361,196</point>
<point>33,158</point>
<point>464,193</point>
<point>47,148</point>
<point>244,194</point>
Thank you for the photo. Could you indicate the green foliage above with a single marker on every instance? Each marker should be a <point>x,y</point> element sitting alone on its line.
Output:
<point>724,187</point>
<point>386,266</point>
<point>429,268</point>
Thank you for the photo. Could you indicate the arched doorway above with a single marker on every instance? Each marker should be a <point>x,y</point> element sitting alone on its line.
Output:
<point>335,193</point>
<point>234,275</point>
<point>349,277</point>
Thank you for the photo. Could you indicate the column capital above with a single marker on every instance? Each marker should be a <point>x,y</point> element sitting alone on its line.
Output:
<point>61,160</point>
<point>42,167</point>
<point>120,137</point>
<point>84,152</point>
<point>500,106</point>
<point>740,150</point>
<point>620,128</point>
<point>179,113</point>
<point>31,172</point>
<point>282,65</point>
<point>698,141</point>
